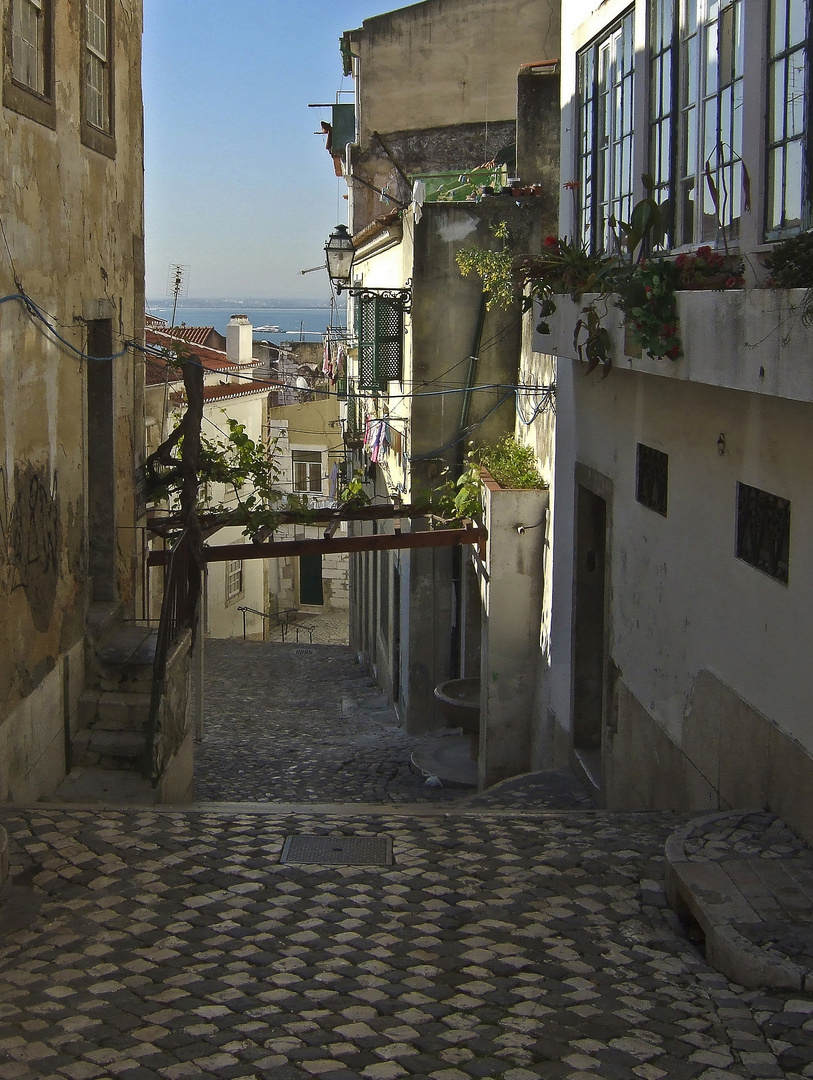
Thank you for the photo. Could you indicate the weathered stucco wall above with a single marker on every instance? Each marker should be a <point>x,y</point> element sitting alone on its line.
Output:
<point>449,61</point>
<point>438,82</point>
<point>73,220</point>
<point>709,687</point>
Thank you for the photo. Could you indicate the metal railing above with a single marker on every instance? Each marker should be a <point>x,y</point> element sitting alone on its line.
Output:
<point>182,586</point>
<point>285,620</point>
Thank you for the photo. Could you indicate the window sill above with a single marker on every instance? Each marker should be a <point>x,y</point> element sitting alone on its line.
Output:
<point>28,103</point>
<point>98,140</point>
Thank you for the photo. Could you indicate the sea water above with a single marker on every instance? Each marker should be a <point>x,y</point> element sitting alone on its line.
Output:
<point>298,320</point>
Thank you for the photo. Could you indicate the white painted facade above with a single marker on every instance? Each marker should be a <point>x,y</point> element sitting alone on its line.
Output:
<point>705,681</point>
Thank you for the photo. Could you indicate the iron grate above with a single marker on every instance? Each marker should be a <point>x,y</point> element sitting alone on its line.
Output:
<point>338,850</point>
<point>303,652</point>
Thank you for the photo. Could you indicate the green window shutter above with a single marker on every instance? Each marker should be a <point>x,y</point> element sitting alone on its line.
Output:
<point>380,332</point>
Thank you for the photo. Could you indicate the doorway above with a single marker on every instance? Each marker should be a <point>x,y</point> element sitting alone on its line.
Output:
<point>589,632</point>
<point>101,462</point>
<point>310,580</point>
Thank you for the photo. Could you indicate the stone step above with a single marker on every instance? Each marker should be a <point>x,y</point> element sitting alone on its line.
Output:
<point>107,749</point>
<point>92,786</point>
<point>124,661</point>
<point>114,710</point>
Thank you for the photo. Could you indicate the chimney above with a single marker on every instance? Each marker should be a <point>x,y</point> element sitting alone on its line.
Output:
<point>239,340</point>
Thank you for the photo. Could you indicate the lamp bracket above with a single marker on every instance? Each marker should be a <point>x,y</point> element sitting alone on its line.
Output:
<point>401,298</point>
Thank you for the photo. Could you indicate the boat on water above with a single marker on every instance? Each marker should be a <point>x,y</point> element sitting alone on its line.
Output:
<point>267,330</point>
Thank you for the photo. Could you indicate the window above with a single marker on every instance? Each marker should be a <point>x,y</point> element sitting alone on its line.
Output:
<point>787,181</point>
<point>652,478</point>
<point>234,578</point>
<point>307,470</point>
<point>763,531</point>
<point>29,77</point>
<point>605,72</point>
<point>97,97</point>
<point>380,331</point>
<point>696,98</point>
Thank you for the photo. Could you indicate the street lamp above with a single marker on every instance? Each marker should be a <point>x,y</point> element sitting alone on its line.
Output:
<point>339,255</point>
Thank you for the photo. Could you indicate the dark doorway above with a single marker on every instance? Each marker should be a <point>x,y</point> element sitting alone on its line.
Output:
<point>101,462</point>
<point>589,637</point>
<point>310,579</point>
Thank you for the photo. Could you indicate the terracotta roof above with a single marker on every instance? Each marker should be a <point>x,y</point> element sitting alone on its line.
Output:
<point>238,389</point>
<point>159,371</point>
<point>376,226</point>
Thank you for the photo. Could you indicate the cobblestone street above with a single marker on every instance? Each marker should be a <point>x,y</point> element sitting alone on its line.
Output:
<point>512,935</point>
<point>296,723</point>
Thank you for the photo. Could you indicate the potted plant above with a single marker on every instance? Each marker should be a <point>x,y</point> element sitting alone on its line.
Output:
<point>790,266</point>
<point>708,269</point>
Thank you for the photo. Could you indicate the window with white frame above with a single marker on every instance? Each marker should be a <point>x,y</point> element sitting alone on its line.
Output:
<point>29,45</point>
<point>606,85</point>
<point>787,202</point>
<point>98,75</point>
<point>307,466</point>
<point>697,52</point>
<point>234,578</point>
<point>28,75</point>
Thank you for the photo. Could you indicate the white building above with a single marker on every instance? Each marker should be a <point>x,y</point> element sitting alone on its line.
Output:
<point>674,666</point>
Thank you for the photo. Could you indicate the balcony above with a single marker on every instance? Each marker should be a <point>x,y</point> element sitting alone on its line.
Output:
<point>740,339</point>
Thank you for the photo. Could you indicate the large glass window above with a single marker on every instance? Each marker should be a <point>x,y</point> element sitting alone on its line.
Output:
<point>787,181</point>
<point>606,78</point>
<point>696,99</point>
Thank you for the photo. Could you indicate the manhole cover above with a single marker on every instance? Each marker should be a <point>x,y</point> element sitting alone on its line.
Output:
<point>303,652</point>
<point>338,850</point>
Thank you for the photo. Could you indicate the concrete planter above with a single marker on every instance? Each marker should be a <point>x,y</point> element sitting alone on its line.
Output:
<point>511,586</point>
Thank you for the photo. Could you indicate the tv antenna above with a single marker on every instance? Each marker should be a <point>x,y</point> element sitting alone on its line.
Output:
<point>177,285</point>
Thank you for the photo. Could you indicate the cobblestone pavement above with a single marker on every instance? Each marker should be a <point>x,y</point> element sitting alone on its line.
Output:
<point>300,723</point>
<point>502,945</point>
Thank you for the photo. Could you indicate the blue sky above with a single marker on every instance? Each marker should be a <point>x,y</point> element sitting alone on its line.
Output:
<point>237,185</point>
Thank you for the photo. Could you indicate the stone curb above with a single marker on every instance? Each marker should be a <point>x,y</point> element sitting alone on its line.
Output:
<point>702,888</point>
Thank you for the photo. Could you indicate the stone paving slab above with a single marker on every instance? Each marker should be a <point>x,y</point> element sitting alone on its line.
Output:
<point>747,880</point>
<point>173,944</point>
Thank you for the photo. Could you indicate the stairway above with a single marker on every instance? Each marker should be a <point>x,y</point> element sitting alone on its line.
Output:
<point>107,748</point>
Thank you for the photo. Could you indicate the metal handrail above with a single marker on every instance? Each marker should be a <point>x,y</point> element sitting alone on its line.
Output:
<point>283,624</point>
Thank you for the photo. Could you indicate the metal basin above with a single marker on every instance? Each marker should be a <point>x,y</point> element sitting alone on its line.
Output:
<point>459,701</point>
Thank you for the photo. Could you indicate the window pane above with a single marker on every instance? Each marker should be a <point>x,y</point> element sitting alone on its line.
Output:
<point>779,26</point>
<point>793,186</point>
<point>796,27</point>
<point>775,185</point>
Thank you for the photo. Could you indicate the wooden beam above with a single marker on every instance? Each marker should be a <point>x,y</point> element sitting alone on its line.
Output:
<point>279,549</point>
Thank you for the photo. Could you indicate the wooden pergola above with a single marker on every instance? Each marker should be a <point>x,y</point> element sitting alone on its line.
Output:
<point>328,543</point>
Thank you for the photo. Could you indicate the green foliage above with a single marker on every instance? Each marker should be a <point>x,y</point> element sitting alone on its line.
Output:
<point>494,267</point>
<point>791,263</point>
<point>353,494</point>
<point>510,463</point>
<point>647,298</point>
<point>791,267</point>
<point>512,466</point>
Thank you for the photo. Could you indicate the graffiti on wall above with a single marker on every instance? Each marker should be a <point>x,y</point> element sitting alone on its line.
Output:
<point>31,539</point>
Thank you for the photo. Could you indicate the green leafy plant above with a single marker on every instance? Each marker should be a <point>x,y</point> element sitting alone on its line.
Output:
<point>647,297</point>
<point>706,268</point>
<point>510,463</point>
<point>494,267</point>
<point>790,266</point>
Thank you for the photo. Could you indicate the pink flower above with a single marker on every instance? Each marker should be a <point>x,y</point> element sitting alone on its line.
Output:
<point>703,252</point>
<point>674,352</point>
<point>551,241</point>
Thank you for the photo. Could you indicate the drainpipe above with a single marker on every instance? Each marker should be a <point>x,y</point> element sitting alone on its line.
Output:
<point>473,358</point>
